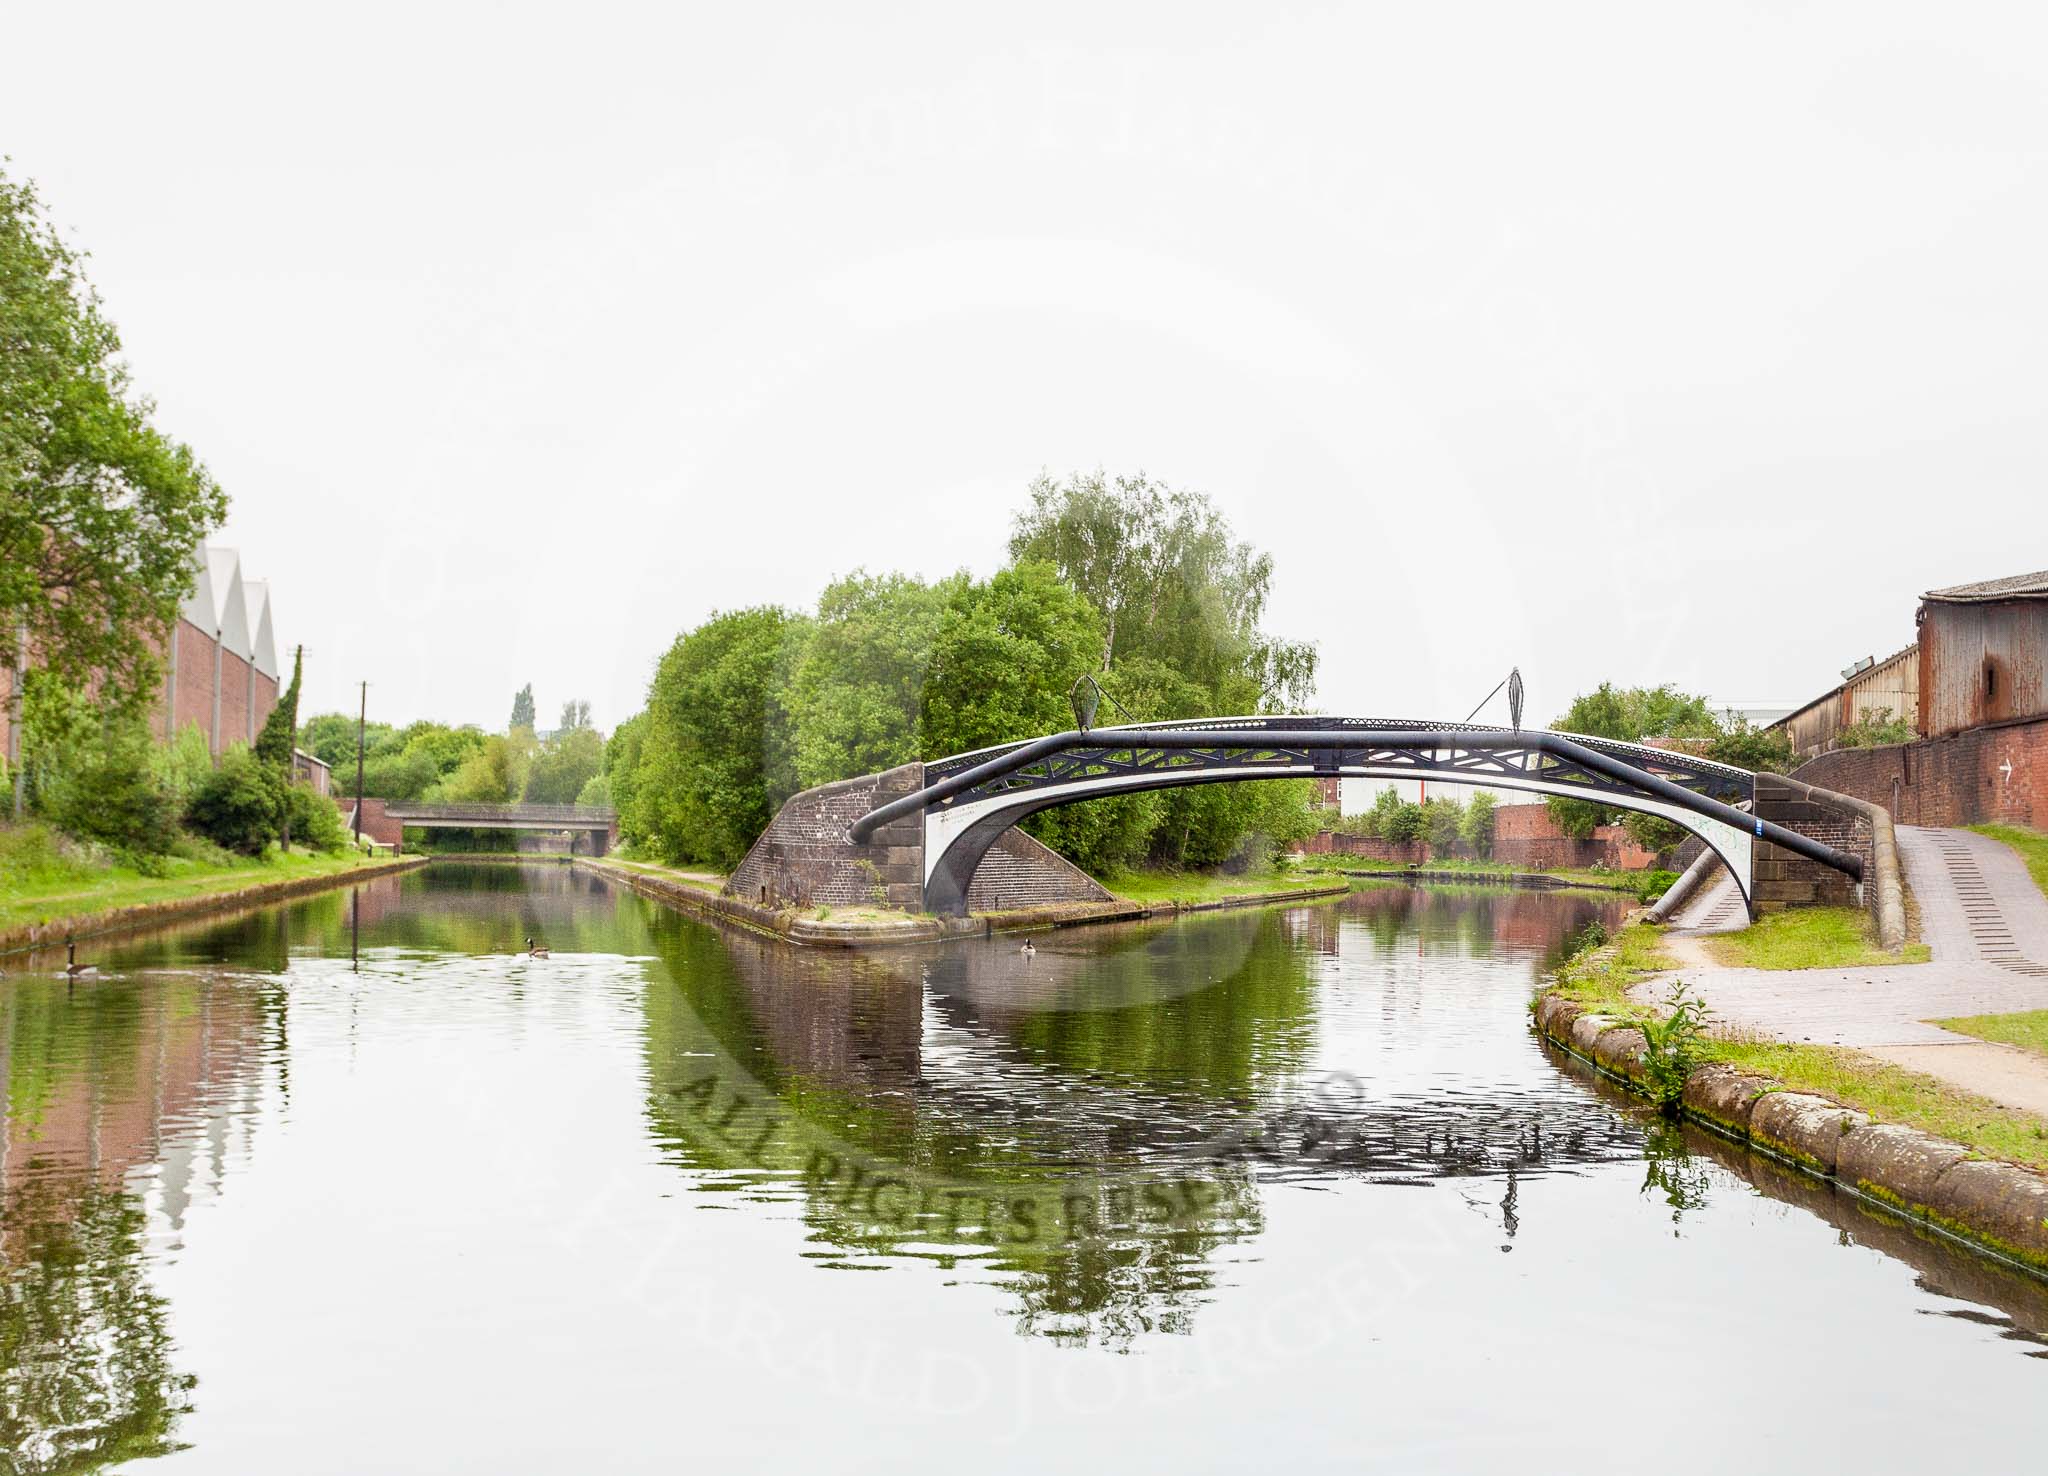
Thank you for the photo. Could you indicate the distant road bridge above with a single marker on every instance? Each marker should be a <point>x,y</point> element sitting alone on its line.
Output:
<point>963,805</point>
<point>593,827</point>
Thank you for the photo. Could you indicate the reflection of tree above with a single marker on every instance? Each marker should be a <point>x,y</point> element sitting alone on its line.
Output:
<point>94,1077</point>
<point>86,1376</point>
<point>1091,1124</point>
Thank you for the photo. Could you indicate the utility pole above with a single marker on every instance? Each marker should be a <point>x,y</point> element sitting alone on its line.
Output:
<point>362,713</point>
<point>14,694</point>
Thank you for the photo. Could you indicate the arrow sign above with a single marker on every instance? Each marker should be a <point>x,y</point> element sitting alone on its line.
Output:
<point>2006,769</point>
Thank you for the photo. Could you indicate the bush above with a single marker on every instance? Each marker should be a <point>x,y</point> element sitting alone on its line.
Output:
<point>1654,884</point>
<point>182,765</point>
<point>315,820</point>
<point>1476,830</point>
<point>237,806</point>
<point>107,792</point>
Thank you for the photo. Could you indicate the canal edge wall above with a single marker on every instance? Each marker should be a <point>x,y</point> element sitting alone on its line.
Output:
<point>149,914</point>
<point>1994,1207</point>
<point>797,927</point>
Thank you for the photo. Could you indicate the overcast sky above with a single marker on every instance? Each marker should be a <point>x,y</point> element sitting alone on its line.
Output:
<point>1683,346</point>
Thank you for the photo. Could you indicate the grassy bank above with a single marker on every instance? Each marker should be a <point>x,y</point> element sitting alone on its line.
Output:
<point>44,877</point>
<point>2031,844</point>
<point>1600,979</point>
<point>1485,871</point>
<point>2028,1029</point>
<point>1808,938</point>
<point>1161,888</point>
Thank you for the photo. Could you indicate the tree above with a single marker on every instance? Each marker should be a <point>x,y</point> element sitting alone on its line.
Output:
<point>1476,830</point>
<point>273,748</point>
<point>857,692</point>
<point>1171,581</point>
<point>100,512</point>
<point>522,710</point>
<point>575,714</point>
<point>715,746</point>
<point>563,764</point>
<point>1002,660</point>
<point>494,774</point>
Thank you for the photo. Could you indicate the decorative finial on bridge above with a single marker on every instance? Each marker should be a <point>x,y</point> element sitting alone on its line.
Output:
<point>1515,698</point>
<point>1086,697</point>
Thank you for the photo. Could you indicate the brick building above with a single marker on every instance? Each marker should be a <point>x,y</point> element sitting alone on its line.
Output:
<point>1981,710</point>
<point>220,660</point>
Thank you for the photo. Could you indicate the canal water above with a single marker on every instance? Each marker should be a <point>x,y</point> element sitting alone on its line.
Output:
<point>352,1185</point>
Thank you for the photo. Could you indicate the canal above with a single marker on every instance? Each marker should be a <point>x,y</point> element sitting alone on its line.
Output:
<point>353,1184</point>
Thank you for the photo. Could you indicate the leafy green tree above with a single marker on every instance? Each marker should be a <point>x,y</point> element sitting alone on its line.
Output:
<point>1171,581</point>
<point>715,746</point>
<point>1002,660</point>
<point>575,714</point>
<point>522,710</point>
<point>857,693</point>
<point>1476,829</point>
<point>331,738</point>
<point>622,759</point>
<point>100,512</point>
<point>565,762</point>
<point>1661,715</point>
<point>1443,819</point>
<point>494,774</point>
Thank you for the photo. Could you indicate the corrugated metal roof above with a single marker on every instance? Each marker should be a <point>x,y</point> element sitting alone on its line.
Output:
<point>2012,587</point>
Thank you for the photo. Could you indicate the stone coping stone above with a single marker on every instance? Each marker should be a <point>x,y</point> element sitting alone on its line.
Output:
<point>1896,1163</point>
<point>2001,1207</point>
<point>1808,1129</point>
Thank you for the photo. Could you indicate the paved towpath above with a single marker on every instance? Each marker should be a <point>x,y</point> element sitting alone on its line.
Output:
<point>1986,924</point>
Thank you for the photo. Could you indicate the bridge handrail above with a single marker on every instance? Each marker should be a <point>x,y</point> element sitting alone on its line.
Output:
<point>1191,736</point>
<point>1318,722</point>
<point>553,814</point>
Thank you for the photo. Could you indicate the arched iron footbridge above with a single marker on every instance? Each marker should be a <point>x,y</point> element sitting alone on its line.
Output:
<point>969,800</point>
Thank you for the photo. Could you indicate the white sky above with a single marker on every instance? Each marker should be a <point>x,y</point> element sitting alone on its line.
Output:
<point>1688,345</point>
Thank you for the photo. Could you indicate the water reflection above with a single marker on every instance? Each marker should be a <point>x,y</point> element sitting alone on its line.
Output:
<point>108,1085</point>
<point>1100,1144</point>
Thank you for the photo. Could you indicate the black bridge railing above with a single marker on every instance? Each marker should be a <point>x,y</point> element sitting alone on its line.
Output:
<point>577,817</point>
<point>1170,753</point>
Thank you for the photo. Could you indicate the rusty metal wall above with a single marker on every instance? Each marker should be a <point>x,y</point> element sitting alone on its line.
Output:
<point>1981,663</point>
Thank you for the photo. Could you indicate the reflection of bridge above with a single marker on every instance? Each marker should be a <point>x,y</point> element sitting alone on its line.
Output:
<point>599,824</point>
<point>947,815</point>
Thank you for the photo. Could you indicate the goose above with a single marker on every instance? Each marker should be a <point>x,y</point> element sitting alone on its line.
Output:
<point>73,969</point>
<point>533,952</point>
<point>1029,948</point>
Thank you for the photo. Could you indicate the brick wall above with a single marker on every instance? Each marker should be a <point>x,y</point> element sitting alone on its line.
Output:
<point>1998,772</point>
<point>377,825</point>
<point>1018,871</point>
<point>1523,835</point>
<point>1783,879</point>
<point>803,858</point>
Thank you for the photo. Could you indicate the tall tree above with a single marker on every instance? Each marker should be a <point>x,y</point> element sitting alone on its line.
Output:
<point>1173,583</point>
<point>273,747</point>
<point>100,512</point>
<point>522,710</point>
<point>714,744</point>
<point>575,714</point>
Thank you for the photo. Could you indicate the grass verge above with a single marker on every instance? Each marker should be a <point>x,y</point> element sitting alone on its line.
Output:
<point>1600,977</point>
<point>2031,844</point>
<point>2028,1029</point>
<point>1480,871</point>
<point>1808,938</point>
<point>46,887</point>
<point>1156,888</point>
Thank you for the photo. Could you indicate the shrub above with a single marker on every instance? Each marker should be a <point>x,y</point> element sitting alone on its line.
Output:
<point>1878,729</point>
<point>237,806</point>
<point>315,820</point>
<point>1674,1047</point>
<point>106,791</point>
<point>1654,884</point>
<point>182,765</point>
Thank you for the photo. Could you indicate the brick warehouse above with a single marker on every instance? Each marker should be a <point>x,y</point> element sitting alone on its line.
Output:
<point>220,661</point>
<point>1981,711</point>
